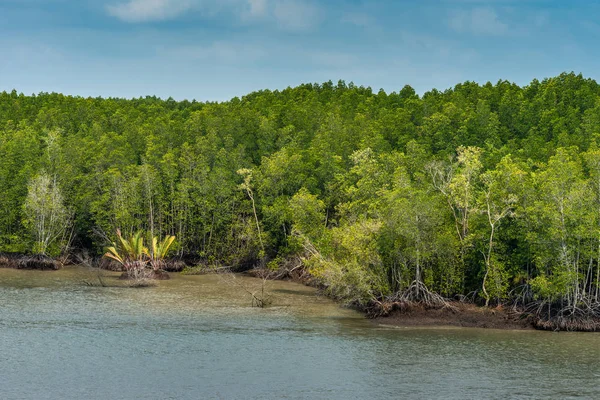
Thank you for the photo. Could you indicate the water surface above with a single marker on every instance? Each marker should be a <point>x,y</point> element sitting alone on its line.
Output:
<point>197,337</point>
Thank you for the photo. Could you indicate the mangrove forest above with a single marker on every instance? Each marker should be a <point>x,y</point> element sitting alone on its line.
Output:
<point>484,193</point>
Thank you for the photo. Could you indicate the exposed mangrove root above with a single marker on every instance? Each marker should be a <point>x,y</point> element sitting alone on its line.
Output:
<point>140,275</point>
<point>109,265</point>
<point>384,308</point>
<point>36,262</point>
<point>169,265</point>
<point>39,262</point>
<point>292,269</point>
<point>572,323</point>
<point>469,298</point>
<point>174,265</point>
<point>417,294</point>
<point>8,262</point>
<point>584,316</point>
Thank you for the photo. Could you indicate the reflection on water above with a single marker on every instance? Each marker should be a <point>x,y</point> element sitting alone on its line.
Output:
<point>198,337</point>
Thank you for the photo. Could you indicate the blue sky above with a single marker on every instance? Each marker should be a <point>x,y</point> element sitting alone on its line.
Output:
<point>218,49</point>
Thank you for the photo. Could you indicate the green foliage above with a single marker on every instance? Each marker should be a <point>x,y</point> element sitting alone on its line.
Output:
<point>479,188</point>
<point>134,256</point>
<point>129,252</point>
<point>350,266</point>
<point>158,251</point>
<point>308,214</point>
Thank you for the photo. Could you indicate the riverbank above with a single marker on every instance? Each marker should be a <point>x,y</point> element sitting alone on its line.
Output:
<point>457,314</point>
<point>35,262</point>
<point>467,315</point>
<point>453,314</point>
<point>462,315</point>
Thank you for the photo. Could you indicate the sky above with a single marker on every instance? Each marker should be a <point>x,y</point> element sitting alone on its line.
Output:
<point>213,50</point>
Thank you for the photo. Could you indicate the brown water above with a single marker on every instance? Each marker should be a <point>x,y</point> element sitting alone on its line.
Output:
<point>197,337</point>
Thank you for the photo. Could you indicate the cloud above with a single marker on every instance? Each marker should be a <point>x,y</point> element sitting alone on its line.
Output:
<point>295,15</point>
<point>290,15</point>
<point>149,10</point>
<point>257,8</point>
<point>480,21</point>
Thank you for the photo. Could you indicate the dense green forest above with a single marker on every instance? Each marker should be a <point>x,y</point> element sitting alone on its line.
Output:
<point>487,191</point>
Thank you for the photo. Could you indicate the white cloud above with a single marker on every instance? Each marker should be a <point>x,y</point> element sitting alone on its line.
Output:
<point>149,10</point>
<point>480,21</point>
<point>294,15</point>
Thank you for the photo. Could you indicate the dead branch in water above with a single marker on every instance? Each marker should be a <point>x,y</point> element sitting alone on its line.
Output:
<point>260,298</point>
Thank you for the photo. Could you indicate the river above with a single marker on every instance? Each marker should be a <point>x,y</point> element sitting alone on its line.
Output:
<point>197,337</point>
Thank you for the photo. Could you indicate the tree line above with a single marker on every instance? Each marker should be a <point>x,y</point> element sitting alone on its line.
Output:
<point>487,191</point>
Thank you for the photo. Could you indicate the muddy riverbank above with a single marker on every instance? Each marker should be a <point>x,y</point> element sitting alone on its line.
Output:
<point>462,315</point>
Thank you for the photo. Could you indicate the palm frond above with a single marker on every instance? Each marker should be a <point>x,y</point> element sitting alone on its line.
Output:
<point>112,252</point>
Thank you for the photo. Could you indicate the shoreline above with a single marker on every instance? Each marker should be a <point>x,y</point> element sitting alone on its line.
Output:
<point>30,262</point>
<point>459,315</point>
<point>466,316</point>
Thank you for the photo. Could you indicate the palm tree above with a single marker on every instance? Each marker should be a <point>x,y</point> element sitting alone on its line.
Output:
<point>130,253</point>
<point>159,250</point>
<point>135,257</point>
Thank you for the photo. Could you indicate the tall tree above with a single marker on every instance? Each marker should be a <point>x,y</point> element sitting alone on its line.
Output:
<point>46,215</point>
